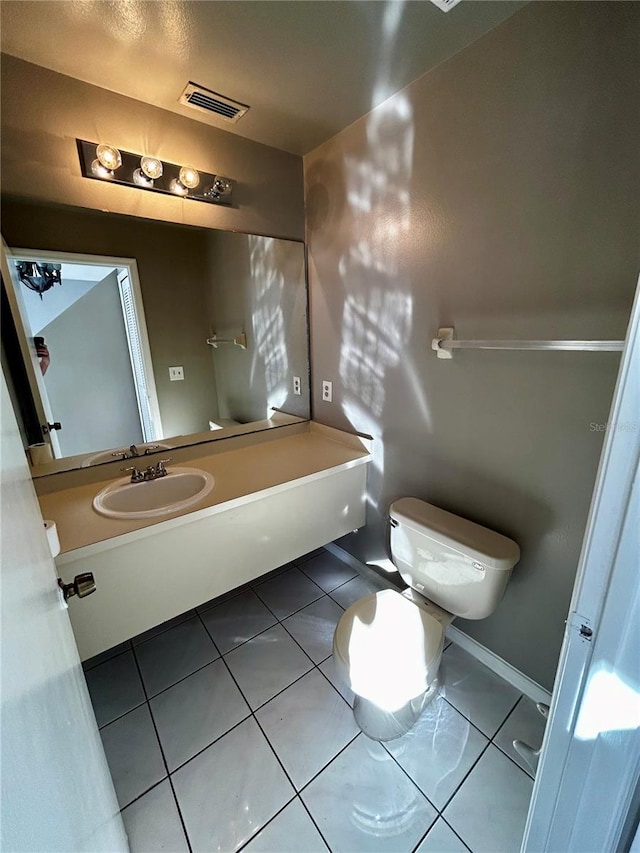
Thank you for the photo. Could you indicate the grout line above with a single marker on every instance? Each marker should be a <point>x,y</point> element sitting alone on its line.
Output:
<point>465,777</point>
<point>164,630</point>
<point>320,590</point>
<point>328,592</point>
<point>164,760</point>
<point>102,662</point>
<point>430,827</point>
<point>530,774</point>
<point>264,826</point>
<point>442,817</point>
<point>243,643</point>
<point>184,677</point>
<point>412,780</point>
<point>311,554</point>
<point>464,716</point>
<point>144,793</point>
<point>313,821</point>
<point>120,716</point>
<point>322,769</point>
<point>214,741</point>
<point>333,685</point>
<point>275,573</point>
<point>223,598</point>
<point>252,714</point>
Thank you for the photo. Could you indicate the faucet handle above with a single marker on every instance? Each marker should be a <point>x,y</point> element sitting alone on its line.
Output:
<point>136,473</point>
<point>160,466</point>
<point>150,448</point>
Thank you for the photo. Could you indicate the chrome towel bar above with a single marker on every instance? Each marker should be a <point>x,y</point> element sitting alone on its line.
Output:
<point>446,342</point>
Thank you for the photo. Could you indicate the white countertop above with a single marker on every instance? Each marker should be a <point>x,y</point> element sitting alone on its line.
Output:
<point>241,475</point>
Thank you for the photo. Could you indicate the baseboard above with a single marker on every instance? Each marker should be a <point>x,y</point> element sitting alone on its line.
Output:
<point>500,666</point>
<point>362,568</point>
<point>490,659</point>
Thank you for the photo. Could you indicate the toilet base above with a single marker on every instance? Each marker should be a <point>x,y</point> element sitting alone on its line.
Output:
<point>388,725</point>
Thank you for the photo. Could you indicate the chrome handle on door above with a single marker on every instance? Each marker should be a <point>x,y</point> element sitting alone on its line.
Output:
<point>82,585</point>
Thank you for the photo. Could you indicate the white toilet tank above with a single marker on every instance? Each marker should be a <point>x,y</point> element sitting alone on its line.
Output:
<point>459,565</point>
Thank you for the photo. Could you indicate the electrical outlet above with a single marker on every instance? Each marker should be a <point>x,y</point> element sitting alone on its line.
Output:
<point>327,391</point>
<point>176,374</point>
<point>297,386</point>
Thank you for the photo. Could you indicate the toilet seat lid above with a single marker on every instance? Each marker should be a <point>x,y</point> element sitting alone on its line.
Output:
<point>386,639</point>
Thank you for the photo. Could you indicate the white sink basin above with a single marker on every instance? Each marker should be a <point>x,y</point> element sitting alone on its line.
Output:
<point>178,490</point>
<point>107,455</point>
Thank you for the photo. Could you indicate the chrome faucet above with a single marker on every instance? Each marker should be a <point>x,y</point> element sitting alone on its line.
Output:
<point>133,451</point>
<point>151,472</point>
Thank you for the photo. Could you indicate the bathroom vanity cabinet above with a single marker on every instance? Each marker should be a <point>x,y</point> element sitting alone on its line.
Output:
<point>274,499</point>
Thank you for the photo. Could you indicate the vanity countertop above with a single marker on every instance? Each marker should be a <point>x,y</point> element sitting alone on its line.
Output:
<point>241,475</point>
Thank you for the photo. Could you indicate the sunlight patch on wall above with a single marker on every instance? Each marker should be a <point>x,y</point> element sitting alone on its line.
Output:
<point>269,352</point>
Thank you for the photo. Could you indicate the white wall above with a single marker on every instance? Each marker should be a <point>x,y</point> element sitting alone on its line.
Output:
<point>89,381</point>
<point>56,300</point>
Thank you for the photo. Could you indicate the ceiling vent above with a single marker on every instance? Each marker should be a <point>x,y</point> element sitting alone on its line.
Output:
<point>445,5</point>
<point>206,101</point>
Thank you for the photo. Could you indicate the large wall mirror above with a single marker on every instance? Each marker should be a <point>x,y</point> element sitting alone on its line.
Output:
<point>154,333</point>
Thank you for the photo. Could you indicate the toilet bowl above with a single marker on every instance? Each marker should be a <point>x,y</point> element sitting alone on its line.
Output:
<point>387,646</point>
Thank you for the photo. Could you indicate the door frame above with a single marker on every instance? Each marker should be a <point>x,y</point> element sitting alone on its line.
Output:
<point>575,772</point>
<point>131,265</point>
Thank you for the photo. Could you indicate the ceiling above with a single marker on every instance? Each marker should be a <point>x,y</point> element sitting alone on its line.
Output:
<point>307,68</point>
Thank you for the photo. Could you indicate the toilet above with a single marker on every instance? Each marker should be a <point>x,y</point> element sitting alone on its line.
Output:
<point>388,646</point>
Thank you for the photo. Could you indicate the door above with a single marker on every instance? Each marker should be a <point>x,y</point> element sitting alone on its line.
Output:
<point>31,363</point>
<point>57,793</point>
<point>587,791</point>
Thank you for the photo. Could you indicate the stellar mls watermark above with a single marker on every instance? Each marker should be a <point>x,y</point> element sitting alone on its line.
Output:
<point>612,426</point>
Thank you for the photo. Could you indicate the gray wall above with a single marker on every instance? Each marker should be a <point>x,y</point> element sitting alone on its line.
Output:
<point>89,380</point>
<point>497,194</point>
<point>257,286</point>
<point>43,113</point>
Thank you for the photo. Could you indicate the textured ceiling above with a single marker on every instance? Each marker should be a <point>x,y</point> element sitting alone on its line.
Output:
<point>307,68</point>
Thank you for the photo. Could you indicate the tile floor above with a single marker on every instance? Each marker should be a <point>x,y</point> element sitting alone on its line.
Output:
<point>226,728</point>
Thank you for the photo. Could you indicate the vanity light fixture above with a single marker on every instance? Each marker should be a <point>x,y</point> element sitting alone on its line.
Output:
<point>189,177</point>
<point>178,187</point>
<point>109,157</point>
<point>152,167</point>
<point>101,171</point>
<point>107,163</point>
<point>141,180</point>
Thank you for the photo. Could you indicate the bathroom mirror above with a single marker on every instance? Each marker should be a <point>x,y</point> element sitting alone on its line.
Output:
<point>156,333</point>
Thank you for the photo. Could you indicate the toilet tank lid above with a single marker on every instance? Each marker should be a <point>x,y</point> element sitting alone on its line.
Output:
<point>488,547</point>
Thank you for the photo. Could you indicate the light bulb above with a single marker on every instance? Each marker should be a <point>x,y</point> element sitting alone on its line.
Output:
<point>152,167</point>
<point>141,180</point>
<point>99,170</point>
<point>222,186</point>
<point>189,177</point>
<point>176,187</point>
<point>109,156</point>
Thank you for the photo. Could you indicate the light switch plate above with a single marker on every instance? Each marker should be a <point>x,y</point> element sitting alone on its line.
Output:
<point>176,374</point>
<point>327,391</point>
<point>297,386</point>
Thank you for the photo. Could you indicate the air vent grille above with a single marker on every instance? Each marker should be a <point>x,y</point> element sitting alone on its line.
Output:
<point>206,101</point>
<point>445,5</point>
